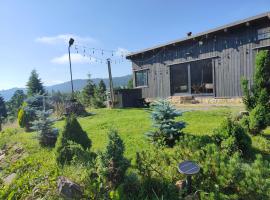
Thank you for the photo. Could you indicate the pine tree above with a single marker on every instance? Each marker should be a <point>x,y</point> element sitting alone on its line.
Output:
<point>112,164</point>
<point>102,87</point>
<point>3,111</point>
<point>16,102</point>
<point>34,84</point>
<point>99,97</point>
<point>88,91</point>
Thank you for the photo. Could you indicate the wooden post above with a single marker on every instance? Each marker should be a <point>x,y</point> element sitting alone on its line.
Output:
<point>111,82</point>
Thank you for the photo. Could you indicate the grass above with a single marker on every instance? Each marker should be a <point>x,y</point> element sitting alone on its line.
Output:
<point>131,124</point>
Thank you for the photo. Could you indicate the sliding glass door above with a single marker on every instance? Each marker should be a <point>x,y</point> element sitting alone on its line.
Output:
<point>192,78</point>
<point>201,75</point>
<point>179,78</point>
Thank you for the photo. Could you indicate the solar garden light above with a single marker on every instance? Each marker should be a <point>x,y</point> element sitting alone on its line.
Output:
<point>188,168</point>
<point>71,41</point>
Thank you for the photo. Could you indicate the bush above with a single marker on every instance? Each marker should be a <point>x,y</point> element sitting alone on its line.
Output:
<point>258,119</point>
<point>69,152</point>
<point>27,113</point>
<point>257,99</point>
<point>72,133</point>
<point>112,164</point>
<point>232,137</point>
<point>74,107</point>
<point>248,98</point>
<point>131,187</point>
<point>167,130</point>
<point>25,117</point>
<point>256,184</point>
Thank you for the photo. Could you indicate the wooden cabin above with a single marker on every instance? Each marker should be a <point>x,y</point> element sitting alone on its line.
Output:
<point>209,64</point>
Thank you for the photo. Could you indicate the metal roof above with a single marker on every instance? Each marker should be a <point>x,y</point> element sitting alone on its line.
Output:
<point>236,23</point>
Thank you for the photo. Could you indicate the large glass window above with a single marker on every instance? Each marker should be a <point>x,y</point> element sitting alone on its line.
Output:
<point>141,78</point>
<point>195,77</point>
<point>201,73</point>
<point>179,78</point>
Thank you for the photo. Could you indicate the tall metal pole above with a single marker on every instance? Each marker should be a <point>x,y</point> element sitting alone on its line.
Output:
<point>71,41</point>
<point>111,82</point>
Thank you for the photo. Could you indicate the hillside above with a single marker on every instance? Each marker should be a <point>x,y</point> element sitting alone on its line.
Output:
<point>65,87</point>
<point>29,171</point>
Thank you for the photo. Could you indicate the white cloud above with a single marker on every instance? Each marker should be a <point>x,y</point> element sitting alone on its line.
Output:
<point>64,38</point>
<point>75,58</point>
<point>121,52</point>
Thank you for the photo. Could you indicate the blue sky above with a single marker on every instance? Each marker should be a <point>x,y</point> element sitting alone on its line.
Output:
<point>33,33</point>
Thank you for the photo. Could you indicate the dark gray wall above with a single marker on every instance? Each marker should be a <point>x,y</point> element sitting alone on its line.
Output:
<point>232,52</point>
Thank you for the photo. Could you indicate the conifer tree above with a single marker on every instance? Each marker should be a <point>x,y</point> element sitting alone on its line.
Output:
<point>112,164</point>
<point>44,125</point>
<point>88,91</point>
<point>72,139</point>
<point>257,99</point>
<point>34,84</point>
<point>102,87</point>
<point>16,102</point>
<point>3,111</point>
<point>168,130</point>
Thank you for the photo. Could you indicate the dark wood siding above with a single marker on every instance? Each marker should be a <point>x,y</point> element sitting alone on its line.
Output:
<point>232,52</point>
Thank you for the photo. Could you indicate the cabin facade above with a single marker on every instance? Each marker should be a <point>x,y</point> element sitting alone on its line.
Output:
<point>206,64</point>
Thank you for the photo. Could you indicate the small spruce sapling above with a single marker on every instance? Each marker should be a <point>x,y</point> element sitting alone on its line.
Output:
<point>44,125</point>
<point>112,164</point>
<point>168,130</point>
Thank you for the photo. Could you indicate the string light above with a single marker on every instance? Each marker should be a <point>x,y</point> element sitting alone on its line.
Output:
<point>162,53</point>
<point>105,54</point>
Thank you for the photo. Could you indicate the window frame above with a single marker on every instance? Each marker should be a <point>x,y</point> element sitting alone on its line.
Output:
<point>146,71</point>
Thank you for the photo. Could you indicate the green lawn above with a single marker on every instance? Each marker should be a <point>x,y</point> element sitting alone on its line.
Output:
<point>131,125</point>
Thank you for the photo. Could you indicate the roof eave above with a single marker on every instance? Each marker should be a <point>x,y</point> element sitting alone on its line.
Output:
<point>233,24</point>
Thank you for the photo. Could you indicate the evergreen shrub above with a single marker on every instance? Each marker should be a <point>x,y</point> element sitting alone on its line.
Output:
<point>72,133</point>
<point>232,137</point>
<point>167,129</point>
<point>44,125</point>
<point>111,164</point>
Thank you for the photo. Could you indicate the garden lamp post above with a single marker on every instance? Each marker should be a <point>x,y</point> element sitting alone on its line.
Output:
<point>71,41</point>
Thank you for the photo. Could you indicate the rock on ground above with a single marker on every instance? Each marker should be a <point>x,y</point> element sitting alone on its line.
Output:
<point>8,180</point>
<point>69,189</point>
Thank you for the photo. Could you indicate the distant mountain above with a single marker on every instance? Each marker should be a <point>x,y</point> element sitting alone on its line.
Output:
<point>65,87</point>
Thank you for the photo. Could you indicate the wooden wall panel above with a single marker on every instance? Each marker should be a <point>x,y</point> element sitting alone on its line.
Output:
<point>234,59</point>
